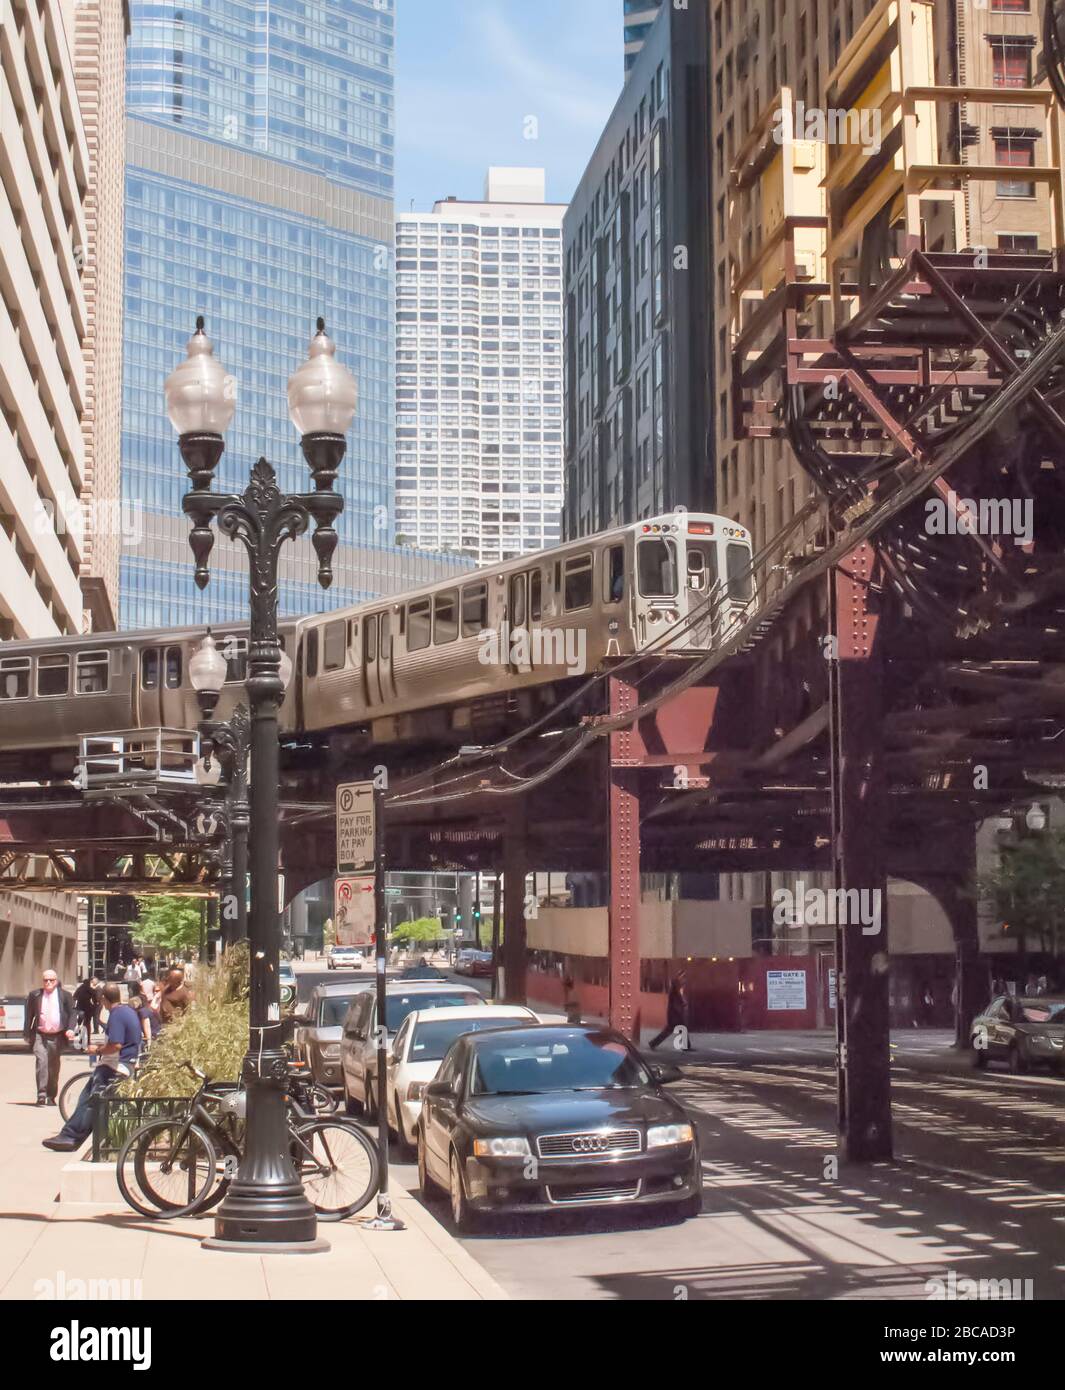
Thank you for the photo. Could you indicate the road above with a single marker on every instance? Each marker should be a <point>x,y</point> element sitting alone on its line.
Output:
<point>977,1187</point>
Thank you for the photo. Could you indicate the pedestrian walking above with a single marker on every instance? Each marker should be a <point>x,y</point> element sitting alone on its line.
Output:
<point>175,995</point>
<point>87,1000</point>
<point>571,1000</point>
<point>676,1014</point>
<point>48,1025</point>
<point>116,1055</point>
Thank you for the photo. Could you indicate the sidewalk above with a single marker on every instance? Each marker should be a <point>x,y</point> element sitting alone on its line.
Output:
<point>45,1244</point>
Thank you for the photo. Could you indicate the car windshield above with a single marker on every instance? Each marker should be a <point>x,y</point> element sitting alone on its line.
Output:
<point>333,1009</point>
<point>398,1006</point>
<point>569,1062</point>
<point>432,1040</point>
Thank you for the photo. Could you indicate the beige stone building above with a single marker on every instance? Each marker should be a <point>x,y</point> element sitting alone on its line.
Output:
<point>60,311</point>
<point>758,48</point>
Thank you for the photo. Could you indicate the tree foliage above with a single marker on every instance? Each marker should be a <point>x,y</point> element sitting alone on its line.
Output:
<point>171,924</point>
<point>424,929</point>
<point>1027,889</point>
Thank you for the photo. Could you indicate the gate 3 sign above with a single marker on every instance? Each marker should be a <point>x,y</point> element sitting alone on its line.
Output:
<point>355,828</point>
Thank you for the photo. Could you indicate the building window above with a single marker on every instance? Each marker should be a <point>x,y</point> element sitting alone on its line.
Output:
<point>1019,153</point>
<point>1011,62</point>
<point>1017,241</point>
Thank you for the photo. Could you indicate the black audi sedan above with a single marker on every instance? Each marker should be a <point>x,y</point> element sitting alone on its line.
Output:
<point>553,1118</point>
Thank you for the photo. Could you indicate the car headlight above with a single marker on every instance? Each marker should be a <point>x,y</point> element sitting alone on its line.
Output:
<point>331,1052</point>
<point>665,1136</point>
<point>503,1147</point>
<point>415,1090</point>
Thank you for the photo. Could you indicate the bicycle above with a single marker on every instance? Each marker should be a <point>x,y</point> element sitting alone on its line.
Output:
<point>70,1094</point>
<point>182,1166</point>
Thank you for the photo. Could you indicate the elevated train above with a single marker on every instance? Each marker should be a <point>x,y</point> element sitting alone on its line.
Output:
<point>407,664</point>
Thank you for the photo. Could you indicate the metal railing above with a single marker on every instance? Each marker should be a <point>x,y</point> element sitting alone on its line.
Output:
<point>133,757</point>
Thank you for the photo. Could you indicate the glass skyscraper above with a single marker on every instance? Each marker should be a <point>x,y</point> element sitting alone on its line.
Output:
<point>259,188</point>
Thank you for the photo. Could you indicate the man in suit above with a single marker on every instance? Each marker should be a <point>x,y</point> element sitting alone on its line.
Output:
<point>49,1024</point>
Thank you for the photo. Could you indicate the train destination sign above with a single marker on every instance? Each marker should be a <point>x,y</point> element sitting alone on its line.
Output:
<point>355,828</point>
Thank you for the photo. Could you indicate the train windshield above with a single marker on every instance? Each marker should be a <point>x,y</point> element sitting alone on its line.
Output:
<point>657,566</point>
<point>738,564</point>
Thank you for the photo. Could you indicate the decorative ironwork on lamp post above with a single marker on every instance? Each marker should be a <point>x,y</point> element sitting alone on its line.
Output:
<point>265,1204</point>
<point>227,744</point>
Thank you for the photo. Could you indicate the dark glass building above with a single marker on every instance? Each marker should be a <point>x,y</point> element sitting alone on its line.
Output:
<point>639,402</point>
<point>259,186</point>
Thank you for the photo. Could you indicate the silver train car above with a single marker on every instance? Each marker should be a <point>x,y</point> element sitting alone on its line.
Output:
<point>409,664</point>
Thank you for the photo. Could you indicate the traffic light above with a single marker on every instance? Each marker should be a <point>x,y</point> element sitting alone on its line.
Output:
<point>476,914</point>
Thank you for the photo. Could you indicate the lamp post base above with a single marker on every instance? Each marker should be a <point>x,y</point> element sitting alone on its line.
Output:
<point>266,1247</point>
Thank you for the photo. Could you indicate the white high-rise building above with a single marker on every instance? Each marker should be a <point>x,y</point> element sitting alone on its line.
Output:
<point>479,306</point>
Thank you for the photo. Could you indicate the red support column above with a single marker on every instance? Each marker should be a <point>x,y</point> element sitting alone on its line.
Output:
<point>624,816</point>
<point>859,815</point>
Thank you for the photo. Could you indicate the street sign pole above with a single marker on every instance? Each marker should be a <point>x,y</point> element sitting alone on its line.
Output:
<point>384,1220</point>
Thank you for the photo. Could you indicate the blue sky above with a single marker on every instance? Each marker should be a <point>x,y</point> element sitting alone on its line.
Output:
<point>470,72</point>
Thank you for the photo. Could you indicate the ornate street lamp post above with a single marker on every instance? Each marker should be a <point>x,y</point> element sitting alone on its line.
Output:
<point>265,1205</point>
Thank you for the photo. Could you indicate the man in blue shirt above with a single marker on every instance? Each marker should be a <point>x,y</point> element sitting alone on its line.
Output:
<point>123,1045</point>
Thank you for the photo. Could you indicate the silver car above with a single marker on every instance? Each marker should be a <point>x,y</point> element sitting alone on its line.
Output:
<point>319,1024</point>
<point>358,1043</point>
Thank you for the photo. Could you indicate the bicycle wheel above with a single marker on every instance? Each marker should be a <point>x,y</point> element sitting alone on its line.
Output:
<point>71,1093</point>
<point>168,1168</point>
<point>337,1165</point>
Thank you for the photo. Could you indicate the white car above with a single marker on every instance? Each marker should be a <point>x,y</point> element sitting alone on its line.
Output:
<point>419,1046</point>
<point>344,957</point>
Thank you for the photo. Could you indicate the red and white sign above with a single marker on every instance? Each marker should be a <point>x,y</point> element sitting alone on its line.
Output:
<point>353,915</point>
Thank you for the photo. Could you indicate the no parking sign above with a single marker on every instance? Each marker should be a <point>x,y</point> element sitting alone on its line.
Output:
<point>353,915</point>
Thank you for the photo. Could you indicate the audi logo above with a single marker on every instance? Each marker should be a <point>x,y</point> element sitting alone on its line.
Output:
<point>591,1144</point>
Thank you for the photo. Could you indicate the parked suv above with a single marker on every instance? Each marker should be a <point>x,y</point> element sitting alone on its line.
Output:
<point>319,1024</point>
<point>358,1043</point>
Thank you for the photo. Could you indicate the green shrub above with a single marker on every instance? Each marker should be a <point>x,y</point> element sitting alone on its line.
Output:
<point>212,1034</point>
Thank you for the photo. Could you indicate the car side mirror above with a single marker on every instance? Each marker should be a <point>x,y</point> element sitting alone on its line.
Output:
<point>665,1073</point>
<point>440,1090</point>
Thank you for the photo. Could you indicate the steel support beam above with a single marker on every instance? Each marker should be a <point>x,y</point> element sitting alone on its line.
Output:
<point>859,824</point>
<point>624,818</point>
<point>515,867</point>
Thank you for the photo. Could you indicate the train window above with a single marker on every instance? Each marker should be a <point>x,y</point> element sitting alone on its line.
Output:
<point>369,638</point>
<point>173,668</point>
<point>656,566</point>
<point>15,678</point>
<point>536,596</point>
<point>702,567</point>
<point>419,625</point>
<point>53,675</point>
<point>474,609</point>
<point>446,617</point>
<point>517,601</point>
<point>92,673</point>
<point>578,582</point>
<point>334,646</point>
<point>150,669</point>
<point>312,651</point>
<point>614,575</point>
<point>386,636</point>
<point>738,568</point>
<point>235,650</point>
